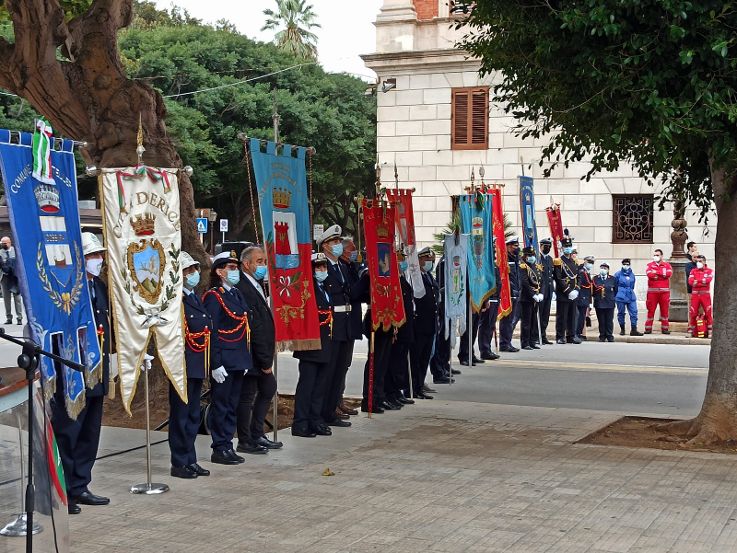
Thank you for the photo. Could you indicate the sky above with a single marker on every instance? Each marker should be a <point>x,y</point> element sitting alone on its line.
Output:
<point>347,26</point>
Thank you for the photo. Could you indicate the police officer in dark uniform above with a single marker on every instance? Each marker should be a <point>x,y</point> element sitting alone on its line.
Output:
<point>397,382</point>
<point>440,360</point>
<point>315,376</point>
<point>585,294</point>
<point>547,286</point>
<point>530,298</point>
<point>184,418</point>
<point>352,268</point>
<point>79,439</point>
<point>426,324</point>
<point>565,272</point>
<point>605,290</point>
<point>230,354</point>
<point>338,287</point>
<point>487,324</point>
<point>507,324</point>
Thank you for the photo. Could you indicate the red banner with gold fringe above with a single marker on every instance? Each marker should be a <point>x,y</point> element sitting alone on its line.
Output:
<point>387,306</point>
<point>500,250</point>
<point>556,226</point>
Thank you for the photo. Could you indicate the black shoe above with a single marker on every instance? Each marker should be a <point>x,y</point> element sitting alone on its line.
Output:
<point>88,498</point>
<point>238,458</point>
<point>323,430</point>
<point>456,371</point>
<point>339,423</point>
<point>602,339</point>
<point>223,458</point>
<point>405,400</point>
<point>622,332</point>
<point>198,470</point>
<point>560,341</point>
<point>267,443</point>
<point>386,406</point>
<point>547,342</point>
<point>535,346</point>
<point>9,321</point>
<point>20,322</point>
<point>528,348</point>
<point>491,356</point>
<point>634,332</point>
<point>183,472</point>
<point>252,448</point>
<point>464,362</point>
<point>584,338</point>
<point>442,380</point>
<point>666,331</point>
<point>477,361</point>
<point>303,433</point>
<point>73,508</point>
<point>610,338</point>
<point>509,349</point>
<point>423,395</point>
<point>376,409</point>
<point>576,340</point>
<point>426,389</point>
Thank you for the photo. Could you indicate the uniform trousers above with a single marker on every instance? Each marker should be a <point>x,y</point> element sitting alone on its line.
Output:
<point>310,395</point>
<point>545,313</point>
<point>565,319</point>
<point>78,440</point>
<point>420,353</point>
<point>507,325</point>
<point>397,376</point>
<point>223,414</point>
<point>605,317</point>
<point>700,300</point>
<point>340,358</point>
<point>7,293</point>
<point>627,306</point>
<point>528,315</point>
<point>463,345</point>
<point>582,311</point>
<point>381,357</point>
<point>487,325</point>
<point>256,395</point>
<point>654,300</point>
<point>440,360</point>
<point>184,423</point>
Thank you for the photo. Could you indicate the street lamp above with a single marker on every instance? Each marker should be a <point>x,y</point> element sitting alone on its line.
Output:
<point>212,216</point>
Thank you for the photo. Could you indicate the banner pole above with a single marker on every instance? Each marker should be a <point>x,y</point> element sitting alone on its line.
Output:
<point>539,326</point>
<point>148,488</point>
<point>370,399</point>
<point>275,401</point>
<point>470,333</point>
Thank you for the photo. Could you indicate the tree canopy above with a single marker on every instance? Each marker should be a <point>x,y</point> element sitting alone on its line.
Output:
<point>293,22</point>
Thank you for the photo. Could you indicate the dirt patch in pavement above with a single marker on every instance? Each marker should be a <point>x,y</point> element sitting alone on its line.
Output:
<point>649,433</point>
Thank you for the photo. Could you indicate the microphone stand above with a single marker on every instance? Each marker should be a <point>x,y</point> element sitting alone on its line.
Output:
<point>28,360</point>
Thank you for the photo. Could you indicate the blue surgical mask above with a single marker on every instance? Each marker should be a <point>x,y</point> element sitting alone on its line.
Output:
<point>403,266</point>
<point>337,249</point>
<point>353,256</point>
<point>233,277</point>
<point>568,251</point>
<point>625,268</point>
<point>428,266</point>
<point>588,266</point>
<point>604,272</point>
<point>531,260</point>
<point>320,276</point>
<point>192,280</point>
<point>260,272</point>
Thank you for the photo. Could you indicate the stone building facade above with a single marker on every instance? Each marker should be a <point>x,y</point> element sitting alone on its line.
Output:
<point>612,216</point>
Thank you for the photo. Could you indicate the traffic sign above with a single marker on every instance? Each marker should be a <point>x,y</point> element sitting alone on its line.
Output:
<point>202,225</point>
<point>317,230</point>
<point>223,225</point>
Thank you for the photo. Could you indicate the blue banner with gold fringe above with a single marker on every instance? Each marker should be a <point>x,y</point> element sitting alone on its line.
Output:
<point>50,263</point>
<point>476,220</point>
<point>527,212</point>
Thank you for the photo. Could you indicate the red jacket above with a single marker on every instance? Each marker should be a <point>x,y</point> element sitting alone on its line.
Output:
<point>658,276</point>
<point>700,280</point>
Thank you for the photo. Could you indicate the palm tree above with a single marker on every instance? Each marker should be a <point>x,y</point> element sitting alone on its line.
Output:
<point>293,20</point>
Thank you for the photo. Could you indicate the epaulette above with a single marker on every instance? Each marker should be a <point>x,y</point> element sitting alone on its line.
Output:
<point>557,262</point>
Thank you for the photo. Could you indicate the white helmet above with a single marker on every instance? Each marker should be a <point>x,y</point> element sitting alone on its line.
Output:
<point>188,261</point>
<point>91,243</point>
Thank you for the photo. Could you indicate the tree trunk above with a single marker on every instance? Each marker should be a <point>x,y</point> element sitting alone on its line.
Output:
<point>717,421</point>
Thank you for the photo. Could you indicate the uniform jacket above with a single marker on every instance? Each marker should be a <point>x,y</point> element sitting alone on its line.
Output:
<point>690,266</point>
<point>605,290</point>
<point>262,325</point>
<point>426,308</point>
<point>625,286</point>
<point>565,273</point>
<point>658,276</point>
<point>338,287</point>
<point>586,287</point>
<point>229,349</point>
<point>101,309</point>
<point>353,272</point>
<point>700,280</point>
<point>531,280</point>
<point>321,355</point>
<point>406,333</point>
<point>7,269</point>
<point>515,275</point>
<point>548,282</point>
<point>197,319</point>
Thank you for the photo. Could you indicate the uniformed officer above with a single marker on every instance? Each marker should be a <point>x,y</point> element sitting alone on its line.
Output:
<point>605,290</point>
<point>338,287</point>
<point>487,325</point>
<point>565,272</point>
<point>184,418</point>
<point>508,323</point>
<point>530,298</point>
<point>397,382</point>
<point>440,361</point>
<point>79,439</point>
<point>352,268</point>
<point>230,354</point>
<point>315,376</point>
<point>426,324</point>
<point>585,294</point>
<point>547,286</point>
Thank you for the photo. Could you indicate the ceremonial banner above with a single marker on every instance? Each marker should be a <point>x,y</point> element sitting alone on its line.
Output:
<point>50,265</point>
<point>281,180</point>
<point>401,199</point>
<point>500,251</point>
<point>387,306</point>
<point>527,212</point>
<point>476,218</point>
<point>455,250</point>
<point>144,243</point>
<point>555,222</point>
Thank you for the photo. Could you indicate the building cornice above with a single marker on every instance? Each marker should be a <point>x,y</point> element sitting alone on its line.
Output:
<point>431,60</point>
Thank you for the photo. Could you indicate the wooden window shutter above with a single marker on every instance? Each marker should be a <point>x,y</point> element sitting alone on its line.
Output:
<point>470,118</point>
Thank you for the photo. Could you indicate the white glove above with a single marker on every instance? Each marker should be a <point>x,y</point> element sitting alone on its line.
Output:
<point>572,295</point>
<point>219,375</point>
<point>146,365</point>
<point>538,298</point>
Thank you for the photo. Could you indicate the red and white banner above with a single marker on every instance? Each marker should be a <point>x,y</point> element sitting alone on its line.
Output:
<point>500,253</point>
<point>556,226</point>
<point>404,216</point>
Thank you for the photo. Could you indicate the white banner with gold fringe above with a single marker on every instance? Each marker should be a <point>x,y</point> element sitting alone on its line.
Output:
<point>143,237</point>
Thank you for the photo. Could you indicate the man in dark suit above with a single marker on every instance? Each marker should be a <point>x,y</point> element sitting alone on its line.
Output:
<point>426,324</point>
<point>257,391</point>
<point>79,439</point>
<point>547,286</point>
<point>338,287</point>
<point>352,268</point>
<point>397,380</point>
<point>508,323</point>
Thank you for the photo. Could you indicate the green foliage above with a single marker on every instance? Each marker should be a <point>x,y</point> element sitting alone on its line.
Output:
<point>72,8</point>
<point>652,82</point>
<point>293,21</point>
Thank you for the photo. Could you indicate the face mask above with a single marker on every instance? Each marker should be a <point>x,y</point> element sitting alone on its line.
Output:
<point>192,280</point>
<point>93,266</point>
<point>531,260</point>
<point>320,276</point>
<point>337,249</point>
<point>403,266</point>
<point>588,266</point>
<point>625,268</point>
<point>260,272</point>
<point>353,256</point>
<point>568,251</point>
<point>233,277</point>
<point>603,272</point>
<point>428,266</point>
<point>656,258</point>
<point>546,250</point>
<point>699,265</point>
